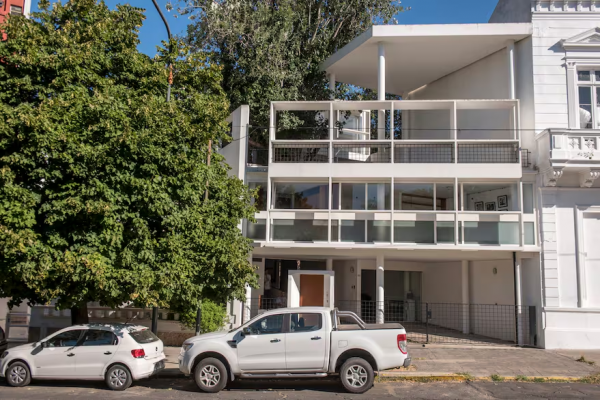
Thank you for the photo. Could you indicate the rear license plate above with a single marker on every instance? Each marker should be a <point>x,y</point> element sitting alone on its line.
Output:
<point>159,365</point>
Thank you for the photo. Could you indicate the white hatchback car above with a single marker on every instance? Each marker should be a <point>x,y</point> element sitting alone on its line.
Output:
<point>115,353</point>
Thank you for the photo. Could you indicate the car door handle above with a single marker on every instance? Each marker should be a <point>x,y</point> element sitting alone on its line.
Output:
<point>70,355</point>
<point>107,353</point>
<point>315,338</point>
<point>275,341</point>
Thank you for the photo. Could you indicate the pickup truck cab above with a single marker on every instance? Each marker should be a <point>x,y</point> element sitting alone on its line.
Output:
<point>305,342</point>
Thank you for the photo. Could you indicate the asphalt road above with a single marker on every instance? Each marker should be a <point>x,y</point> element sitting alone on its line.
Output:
<point>165,389</point>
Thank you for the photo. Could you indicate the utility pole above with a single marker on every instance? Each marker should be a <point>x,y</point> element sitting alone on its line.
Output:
<point>169,82</point>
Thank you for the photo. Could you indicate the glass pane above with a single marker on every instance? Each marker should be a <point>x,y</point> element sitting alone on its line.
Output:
<point>144,336</point>
<point>301,196</point>
<point>334,231</point>
<point>95,337</point>
<point>257,230</point>
<point>445,232</point>
<point>260,202</point>
<point>300,230</point>
<point>585,107</point>
<point>379,196</point>
<point>584,76</point>
<point>335,194</point>
<point>529,233</point>
<point>379,231</point>
<point>597,73</point>
<point>267,325</point>
<point>491,232</point>
<point>491,197</point>
<point>65,339</point>
<point>353,231</point>
<point>305,322</point>
<point>413,232</point>
<point>445,196</point>
<point>528,198</point>
<point>413,196</point>
<point>353,196</point>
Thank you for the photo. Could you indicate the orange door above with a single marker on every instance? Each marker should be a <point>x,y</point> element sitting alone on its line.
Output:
<point>311,290</point>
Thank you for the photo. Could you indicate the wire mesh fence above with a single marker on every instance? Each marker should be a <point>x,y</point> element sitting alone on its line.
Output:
<point>525,162</point>
<point>362,152</point>
<point>488,153</point>
<point>300,152</point>
<point>452,322</point>
<point>257,156</point>
<point>261,304</point>
<point>424,153</point>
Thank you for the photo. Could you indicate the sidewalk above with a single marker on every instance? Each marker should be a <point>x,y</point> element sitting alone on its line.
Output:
<point>477,361</point>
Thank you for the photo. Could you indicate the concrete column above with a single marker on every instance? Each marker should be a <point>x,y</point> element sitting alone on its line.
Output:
<point>381,91</point>
<point>510,49</point>
<point>329,264</point>
<point>380,290</point>
<point>518,298</point>
<point>465,296</point>
<point>332,86</point>
<point>406,283</point>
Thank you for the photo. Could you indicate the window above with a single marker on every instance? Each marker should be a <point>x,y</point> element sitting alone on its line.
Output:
<point>96,337</point>
<point>16,10</point>
<point>491,197</point>
<point>364,196</point>
<point>260,201</point>
<point>144,336</point>
<point>353,196</point>
<point>256,230</point>
<point>295,196</point>
<point>589,99</point>
<point>267,325</point>
<point>299,230</point>
<point>306,322</point>
<point>65,339</point>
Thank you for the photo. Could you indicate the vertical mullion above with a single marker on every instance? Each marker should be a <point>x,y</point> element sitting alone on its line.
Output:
<point>392,210</point>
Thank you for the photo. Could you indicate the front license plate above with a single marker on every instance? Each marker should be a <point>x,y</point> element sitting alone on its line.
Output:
<point>159,365</point>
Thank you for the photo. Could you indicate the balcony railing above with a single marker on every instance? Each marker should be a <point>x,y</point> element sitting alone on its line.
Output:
<point>411,152</point>
<point>257,156</point>
<point>361,152</point>
<point>301,152</point>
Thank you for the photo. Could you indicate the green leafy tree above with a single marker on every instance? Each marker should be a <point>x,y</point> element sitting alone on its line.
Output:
<point>214,317</point>
<point>272,50</point>
<point>102,181</point>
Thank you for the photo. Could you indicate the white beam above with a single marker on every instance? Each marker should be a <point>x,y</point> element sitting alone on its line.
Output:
<point>380,290</point>
<point>510,48</point>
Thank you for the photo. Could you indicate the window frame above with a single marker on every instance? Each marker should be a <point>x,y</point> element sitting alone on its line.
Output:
<point>321,324</point>
<point>52,337</point>
<point>285,324</point>
<point>594,85</point>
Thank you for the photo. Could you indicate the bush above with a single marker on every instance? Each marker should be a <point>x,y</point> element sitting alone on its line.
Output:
<point>214,317</point>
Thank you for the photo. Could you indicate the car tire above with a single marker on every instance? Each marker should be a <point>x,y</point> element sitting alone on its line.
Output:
<point>18,374</point>
<point>357,375</point>
<point>210,375</point>
<point>118,377</point>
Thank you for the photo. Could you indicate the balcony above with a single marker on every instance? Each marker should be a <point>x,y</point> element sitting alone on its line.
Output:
<point>457,138</point>
<point>570,151</point>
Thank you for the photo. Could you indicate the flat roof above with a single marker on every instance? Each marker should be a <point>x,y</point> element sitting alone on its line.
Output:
<point>416,55</point>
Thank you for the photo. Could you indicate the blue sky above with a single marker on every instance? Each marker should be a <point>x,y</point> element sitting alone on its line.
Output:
<point>422,12</point>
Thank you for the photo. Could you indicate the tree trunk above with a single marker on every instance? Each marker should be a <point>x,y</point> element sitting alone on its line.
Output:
<point>79,314</point>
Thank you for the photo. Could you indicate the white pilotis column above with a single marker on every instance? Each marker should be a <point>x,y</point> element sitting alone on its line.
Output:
<point>329,264</point>
<point>380,292</point>
<point>465,296</point>
<point>510,48</point>
<point>518,300</point>
<point>381,92</point>
<point>332,86</point>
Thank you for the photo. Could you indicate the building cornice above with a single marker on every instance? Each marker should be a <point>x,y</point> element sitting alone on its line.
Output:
<point>565,6</point>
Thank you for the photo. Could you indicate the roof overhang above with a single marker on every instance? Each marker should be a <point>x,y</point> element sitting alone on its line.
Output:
<point>416,55</point>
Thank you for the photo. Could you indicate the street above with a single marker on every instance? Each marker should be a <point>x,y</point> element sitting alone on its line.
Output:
<point>165,389</point>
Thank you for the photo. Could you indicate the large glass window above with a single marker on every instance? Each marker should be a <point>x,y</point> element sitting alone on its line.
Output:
<point>353,196</point>
<point>413,196</point>
<point>353,231</point>
<point>296,196</point>
<point>413,232</point>
<point>589,99</point>
<point>491,197</point>
<point>491,232</point>
<point>300,230</point>
<point>256,230</point>
<point>260,201</point>
<point>379,231</point>
<point>378,196</point>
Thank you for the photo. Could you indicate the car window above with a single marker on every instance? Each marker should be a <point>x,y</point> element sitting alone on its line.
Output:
<point>144,336</point>
<point>97,337</point>
<point>65,339</point>
<point>267,325</point>
<point>306,322</point>
<point>1,334</point>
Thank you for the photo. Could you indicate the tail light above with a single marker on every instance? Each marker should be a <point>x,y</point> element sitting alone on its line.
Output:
<point>402,343</point>
<point>138,353</point>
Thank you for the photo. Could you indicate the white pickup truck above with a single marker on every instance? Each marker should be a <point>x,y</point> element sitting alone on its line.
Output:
<point>306,342</point>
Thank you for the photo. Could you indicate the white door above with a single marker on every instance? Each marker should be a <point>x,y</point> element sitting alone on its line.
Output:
<point>591,233</point>
<point>95,352</point>
<point>264,348</point>
<point>57,357</point>
<point>306,342</point>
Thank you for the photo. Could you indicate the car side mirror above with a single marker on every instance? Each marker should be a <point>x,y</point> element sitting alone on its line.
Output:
<point>41,344</point>
<point>246,331</point>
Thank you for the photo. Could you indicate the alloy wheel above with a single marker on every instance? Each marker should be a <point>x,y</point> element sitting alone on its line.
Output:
<point>18,374</point>
<point>356,375</point>
<point>118,377</point>
<point>210,376</point>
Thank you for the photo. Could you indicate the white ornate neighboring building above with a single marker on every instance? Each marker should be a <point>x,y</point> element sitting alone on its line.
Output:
<point>469,210</point>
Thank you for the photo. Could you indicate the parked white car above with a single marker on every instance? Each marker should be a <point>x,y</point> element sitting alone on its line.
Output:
<point>306,342</point>
<point>115,353</point>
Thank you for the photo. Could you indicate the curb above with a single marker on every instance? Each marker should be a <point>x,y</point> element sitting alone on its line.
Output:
<point>443,377</point>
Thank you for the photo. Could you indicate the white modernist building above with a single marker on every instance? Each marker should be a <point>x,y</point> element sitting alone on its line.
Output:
<point>469,210</point>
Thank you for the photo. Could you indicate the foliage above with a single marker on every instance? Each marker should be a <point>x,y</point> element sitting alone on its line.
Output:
<point>214,317</point>
<point>101,180</point>
<point>272,51</point>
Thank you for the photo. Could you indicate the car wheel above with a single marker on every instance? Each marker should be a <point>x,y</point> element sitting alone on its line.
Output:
<point>17,374</point>
<point>357,375</point>
<point>118,377</point>
<point>210,375</point>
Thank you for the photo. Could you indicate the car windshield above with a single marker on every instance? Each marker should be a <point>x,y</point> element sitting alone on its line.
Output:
<point>144,336</point>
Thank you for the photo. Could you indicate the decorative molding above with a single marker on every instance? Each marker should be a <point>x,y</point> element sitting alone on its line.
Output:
<point>551,176</point>
<point>587,178</point>
<point>566,6</point>
<point>586,40</point>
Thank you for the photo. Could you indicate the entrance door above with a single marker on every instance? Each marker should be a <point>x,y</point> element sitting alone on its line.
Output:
<point>312,290</point>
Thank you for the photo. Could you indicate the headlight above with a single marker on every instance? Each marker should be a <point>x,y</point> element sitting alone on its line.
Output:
<point>187,346</point>
<point>4,354</point>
